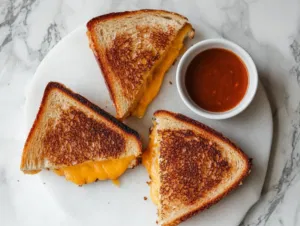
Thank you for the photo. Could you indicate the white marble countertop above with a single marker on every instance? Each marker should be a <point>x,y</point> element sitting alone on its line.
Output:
<point>268,29</point>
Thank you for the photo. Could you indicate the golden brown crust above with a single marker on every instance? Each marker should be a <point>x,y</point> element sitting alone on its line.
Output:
<point>93,107</point>
<point>123,63</point>
<point>79,133</point>
<point>105,70</point>
<point>130,69</point>
<point>185,185</point>
<point>208,205</point>
<point>34,127</point>
<point>204,127</point>
<point>77,138</point>
<point>206,166</point>
<point>121,14</point>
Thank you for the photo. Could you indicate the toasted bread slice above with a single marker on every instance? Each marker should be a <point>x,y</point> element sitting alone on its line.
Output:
<point>191,166</point>
<point>77,139</point>
<point>134,50</point>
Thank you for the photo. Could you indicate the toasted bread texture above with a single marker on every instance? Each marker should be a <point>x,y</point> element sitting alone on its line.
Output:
<point>197,166</point>
<point>70,130</point>
<point>129,46</point>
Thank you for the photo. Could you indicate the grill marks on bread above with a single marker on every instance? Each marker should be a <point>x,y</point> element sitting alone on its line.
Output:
<point>200,166</point>
<point>131,60</point>
<point>75,138</point>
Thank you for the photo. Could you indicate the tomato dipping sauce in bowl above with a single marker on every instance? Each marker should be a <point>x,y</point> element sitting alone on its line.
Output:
<point>216,79</point>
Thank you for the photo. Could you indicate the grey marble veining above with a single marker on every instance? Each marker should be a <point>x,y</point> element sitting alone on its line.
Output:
<point>268,30</point>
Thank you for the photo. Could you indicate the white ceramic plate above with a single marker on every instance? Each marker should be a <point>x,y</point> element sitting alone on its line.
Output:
<point>72,63</point>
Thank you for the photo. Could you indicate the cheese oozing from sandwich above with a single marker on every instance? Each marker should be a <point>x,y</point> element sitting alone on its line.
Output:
<point>159,71</point>
<point>150,161</point>
<point>89,172</point>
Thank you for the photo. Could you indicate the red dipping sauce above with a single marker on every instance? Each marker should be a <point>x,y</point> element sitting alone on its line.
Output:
<point>216,80</point>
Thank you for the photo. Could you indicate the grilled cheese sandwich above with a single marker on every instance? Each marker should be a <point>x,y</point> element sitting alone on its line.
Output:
<point>134,50</point>
<point>78,140</point>
<point>191,166</point>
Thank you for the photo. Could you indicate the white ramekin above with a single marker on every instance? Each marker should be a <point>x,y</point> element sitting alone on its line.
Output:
<point>192,52</point>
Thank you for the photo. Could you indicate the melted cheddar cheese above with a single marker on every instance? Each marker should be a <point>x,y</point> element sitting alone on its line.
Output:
<point>159,71</point>
<point>89,172</point>
<point>32,171</point>
<point>150,161</point>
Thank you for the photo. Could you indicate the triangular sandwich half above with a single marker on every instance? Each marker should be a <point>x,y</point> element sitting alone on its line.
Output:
<point>191,166</point>
<point>75,138</point>
<point>134,50</point>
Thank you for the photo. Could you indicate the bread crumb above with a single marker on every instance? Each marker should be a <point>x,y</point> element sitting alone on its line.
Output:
<point>145,198</point>
<point>170,82</point>
<point>148,182</point>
